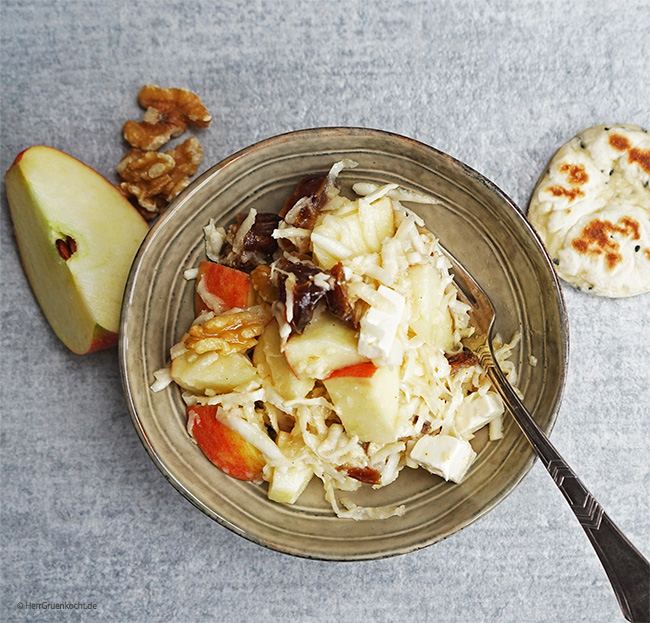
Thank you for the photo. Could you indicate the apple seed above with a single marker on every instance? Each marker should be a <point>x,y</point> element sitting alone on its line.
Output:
<point>66,247</point>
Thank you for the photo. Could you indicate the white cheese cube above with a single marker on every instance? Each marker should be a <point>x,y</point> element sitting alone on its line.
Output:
<point>476,411</point>
<point>378,328</point>
<point>444,456</point>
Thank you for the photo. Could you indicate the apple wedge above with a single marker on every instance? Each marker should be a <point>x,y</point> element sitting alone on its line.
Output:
<point>223,446</point>
<point>325,345</point>
<point>287,482</point>
<point>430,317</point>
<point>220,288</point>
<point>271,362</point>
<point>354,228</point>
<point>212,371</point>
<point>367,400</point>
<point>377,221</point>
<point>362,370</point>
<point>77,237</point>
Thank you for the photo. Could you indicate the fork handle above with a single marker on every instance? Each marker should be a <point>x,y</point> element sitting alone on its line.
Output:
<point>626,567</point>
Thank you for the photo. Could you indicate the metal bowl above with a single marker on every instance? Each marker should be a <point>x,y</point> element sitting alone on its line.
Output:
<point>476,221</point>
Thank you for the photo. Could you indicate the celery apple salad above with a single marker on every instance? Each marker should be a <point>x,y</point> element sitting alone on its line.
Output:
<point>327,343</point>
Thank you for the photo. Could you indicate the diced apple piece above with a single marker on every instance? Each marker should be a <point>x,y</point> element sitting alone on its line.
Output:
<point>77,237</point>
<point>212,371</point>
<point>325,345</point>
<point>353,228</point>
<point>430,319</point>
<point>358,370</point>
<point>377,222</point>
<point>337,237</point>
<point>221,288</point>
<point>444,456</point>
<point>368,405</point>
<point>287,482</point>
<point>224,447</point>
<point>270,360</point>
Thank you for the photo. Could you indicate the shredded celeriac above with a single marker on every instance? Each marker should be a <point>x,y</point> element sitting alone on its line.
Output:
<point>398,329</point>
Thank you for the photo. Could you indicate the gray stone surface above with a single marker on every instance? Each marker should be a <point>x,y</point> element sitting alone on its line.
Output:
<point>86,516</point>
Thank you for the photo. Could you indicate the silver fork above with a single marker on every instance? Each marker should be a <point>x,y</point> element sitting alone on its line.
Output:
<point>627,569</point>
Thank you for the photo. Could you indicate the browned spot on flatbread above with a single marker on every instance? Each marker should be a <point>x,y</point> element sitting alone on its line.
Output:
<point>575,173</point>
<point>641,157</point>
<point>646,252</point>
<point>619,142</point>
<point>595,239</point>
<point>560,191</point>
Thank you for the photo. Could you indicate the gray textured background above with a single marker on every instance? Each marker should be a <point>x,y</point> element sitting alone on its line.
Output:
<point>87,517</point>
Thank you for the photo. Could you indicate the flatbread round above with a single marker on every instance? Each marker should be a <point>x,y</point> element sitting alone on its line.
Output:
<point>591,208</point>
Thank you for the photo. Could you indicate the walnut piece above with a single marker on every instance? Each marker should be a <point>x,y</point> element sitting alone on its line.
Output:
<point>232,332</point>
<point>261,281</point>
<point>152,179</point>
<point>167,115</point>
<point>140,165</point>
<point>188,156</point>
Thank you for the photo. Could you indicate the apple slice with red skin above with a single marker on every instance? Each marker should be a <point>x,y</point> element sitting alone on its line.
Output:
<point>77,236</point>
<point>222,287</point>
<point>224,447</point>
<point>366,398</point>
<point>362,370</point>
<point>327,344</point>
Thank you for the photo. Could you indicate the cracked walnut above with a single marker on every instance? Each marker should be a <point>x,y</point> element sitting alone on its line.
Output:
<point>153,178</point>
<point>168,112</point>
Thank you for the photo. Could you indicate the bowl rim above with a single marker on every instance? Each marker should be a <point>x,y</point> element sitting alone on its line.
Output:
<point>205,177</point>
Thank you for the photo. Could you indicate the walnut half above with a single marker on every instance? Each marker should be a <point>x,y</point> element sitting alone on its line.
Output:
<point>152,179</point>
<point>232,332</point>
<point>168,112</point>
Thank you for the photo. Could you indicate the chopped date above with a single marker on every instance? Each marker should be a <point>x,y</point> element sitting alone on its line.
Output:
<point>302,207</point>
<point>259,238</point>
<point>367,475</point>
<point>426,428</point>
<point>314,189</point>
<point>337,298</point>
<point>309,286</point>
<point>463,359</point>
<point>305,292</point>
<point>257,246</point>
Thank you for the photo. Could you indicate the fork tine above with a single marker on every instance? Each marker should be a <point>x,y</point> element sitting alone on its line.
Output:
<point>463,280</point>
<point>482,310</point>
